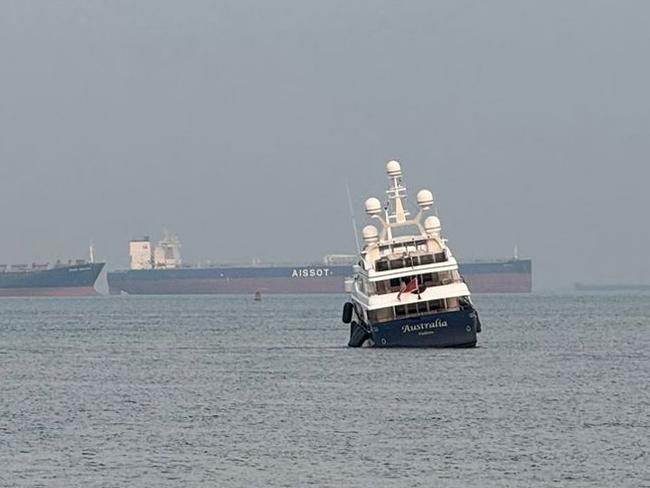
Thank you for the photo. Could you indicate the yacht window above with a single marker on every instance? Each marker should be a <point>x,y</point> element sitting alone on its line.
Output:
<point>428,280</point>
<point>382,265</point>
<point>382,287</point>
<point>452,303</point>
<point>445,277</point>
<point>426,259</point>
<point>436,305</point>
<point>380,315</point>
<point>412,308</point>
<point>396,263</point>
<point>422,307</point>
<point>400,311</point>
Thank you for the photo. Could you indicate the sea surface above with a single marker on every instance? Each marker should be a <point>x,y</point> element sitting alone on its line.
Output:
<point>224,391</point>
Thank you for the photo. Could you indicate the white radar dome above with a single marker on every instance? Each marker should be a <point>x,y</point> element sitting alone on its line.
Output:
<point>393,168</point>
<point>373,206</point>
<point>370,233</point>
<point>425,199</point>
<point>432,225</point>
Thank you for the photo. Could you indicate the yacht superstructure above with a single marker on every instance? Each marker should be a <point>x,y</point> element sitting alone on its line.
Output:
<point>407,291</point>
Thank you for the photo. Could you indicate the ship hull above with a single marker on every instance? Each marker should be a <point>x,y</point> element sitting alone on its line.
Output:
<point>499,282</point>
<point>76,291</point>
<point>448,329</point>
<point>513,276</point>
<point>64,281</point>
<point>494,277</point>
<point>217,286</point>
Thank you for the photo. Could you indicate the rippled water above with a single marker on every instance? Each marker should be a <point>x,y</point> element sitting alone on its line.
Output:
<point>224,391</point>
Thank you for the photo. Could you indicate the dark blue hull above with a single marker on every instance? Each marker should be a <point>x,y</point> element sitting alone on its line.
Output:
<point>494,277</point>
<point>448,329</point>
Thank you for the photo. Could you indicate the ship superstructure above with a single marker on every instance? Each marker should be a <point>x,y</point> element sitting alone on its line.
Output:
<point>407,290</point>
<point>166,255</point>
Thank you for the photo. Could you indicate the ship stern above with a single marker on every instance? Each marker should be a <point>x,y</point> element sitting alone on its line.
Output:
<point>448,329</point>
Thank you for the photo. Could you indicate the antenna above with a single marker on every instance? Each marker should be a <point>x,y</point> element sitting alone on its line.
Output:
<point>395,193</point>
<point>354,222</point>
<point>516,253</point>
<point>92,251</point>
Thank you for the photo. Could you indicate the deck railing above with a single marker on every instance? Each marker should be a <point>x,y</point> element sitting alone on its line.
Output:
<point>386,264</point>
<point>418,309</point>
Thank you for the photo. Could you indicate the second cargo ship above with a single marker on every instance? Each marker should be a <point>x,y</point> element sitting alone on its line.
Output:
<point>159,270</point>
<point>42,280</point>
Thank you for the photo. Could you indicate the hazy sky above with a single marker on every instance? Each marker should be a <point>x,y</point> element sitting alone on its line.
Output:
<point>237,124</point>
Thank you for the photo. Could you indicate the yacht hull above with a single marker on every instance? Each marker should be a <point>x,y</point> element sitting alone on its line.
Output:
<point>447,329</point>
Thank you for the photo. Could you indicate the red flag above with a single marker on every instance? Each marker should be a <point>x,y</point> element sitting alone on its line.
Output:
<point>410,287</point>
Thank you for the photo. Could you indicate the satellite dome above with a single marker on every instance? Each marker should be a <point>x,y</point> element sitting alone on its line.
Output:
<point>373,206</point>
<point>370,233</point>
<point>393,168</point>
<point>425,199</point>
<point>432,225</point>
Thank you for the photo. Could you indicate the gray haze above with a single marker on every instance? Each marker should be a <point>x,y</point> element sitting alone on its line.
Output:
<point>237,123</point>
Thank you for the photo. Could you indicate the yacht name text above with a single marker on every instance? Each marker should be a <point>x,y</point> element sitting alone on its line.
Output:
<point>436,324</point>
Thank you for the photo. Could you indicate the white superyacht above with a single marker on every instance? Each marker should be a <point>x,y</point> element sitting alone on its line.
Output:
<point>406,289</point>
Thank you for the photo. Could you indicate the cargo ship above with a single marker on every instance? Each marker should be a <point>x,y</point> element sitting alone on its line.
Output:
<point>42,280</point>
<point>612,287</point>
<point>159,270</point>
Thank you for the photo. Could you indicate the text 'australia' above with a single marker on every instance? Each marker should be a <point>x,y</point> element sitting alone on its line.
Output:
<point>436,324</point>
